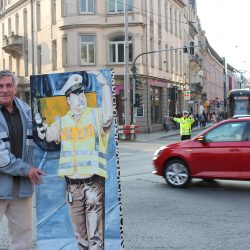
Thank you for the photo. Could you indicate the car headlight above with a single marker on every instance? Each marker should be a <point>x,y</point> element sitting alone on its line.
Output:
<point>158,151</point>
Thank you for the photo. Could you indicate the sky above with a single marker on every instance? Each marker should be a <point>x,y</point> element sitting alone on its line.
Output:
<point>226,25</point>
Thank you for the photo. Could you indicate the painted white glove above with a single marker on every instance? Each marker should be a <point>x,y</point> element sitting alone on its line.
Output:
<point>100,77</point>
<point>41,130</point>
<point>107,104</point>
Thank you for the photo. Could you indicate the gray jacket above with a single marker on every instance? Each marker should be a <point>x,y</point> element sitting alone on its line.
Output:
<point>17,166</point>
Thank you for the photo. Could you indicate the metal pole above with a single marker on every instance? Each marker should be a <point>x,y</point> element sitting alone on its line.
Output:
<point>225,84</point>
<point>126,73</point>
<point>32,37</point>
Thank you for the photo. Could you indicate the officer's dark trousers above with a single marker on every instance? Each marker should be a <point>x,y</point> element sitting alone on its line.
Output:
<point>87,212</point>
<point>185,137</point>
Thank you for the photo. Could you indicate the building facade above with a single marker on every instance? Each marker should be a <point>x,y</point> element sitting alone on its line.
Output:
<point>52,36</point>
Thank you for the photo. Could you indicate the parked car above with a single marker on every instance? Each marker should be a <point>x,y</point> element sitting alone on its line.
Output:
<point>220,152</point>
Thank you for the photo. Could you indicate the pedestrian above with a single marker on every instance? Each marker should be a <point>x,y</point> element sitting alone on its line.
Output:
<point>166,123</point>
<point>185,122</point>
<point>18,175</point>
<point>83,133</point>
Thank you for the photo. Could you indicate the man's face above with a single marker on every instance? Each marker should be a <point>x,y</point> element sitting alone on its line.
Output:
<point>7,91</point>
<point>77,102</point>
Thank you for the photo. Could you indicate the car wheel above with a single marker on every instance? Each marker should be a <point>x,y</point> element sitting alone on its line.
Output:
<point>177,173</point>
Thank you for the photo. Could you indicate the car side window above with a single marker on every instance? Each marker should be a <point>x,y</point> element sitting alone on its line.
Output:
<point>246,135</point>
<point>227,132</point>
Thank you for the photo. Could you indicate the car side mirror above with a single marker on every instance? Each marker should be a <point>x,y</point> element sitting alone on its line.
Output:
<point>201,138</point>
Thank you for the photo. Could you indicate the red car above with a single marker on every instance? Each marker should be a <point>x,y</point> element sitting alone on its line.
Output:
<point>220,152</point>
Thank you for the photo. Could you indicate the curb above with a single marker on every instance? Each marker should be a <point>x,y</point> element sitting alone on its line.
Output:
<point>167,134</point>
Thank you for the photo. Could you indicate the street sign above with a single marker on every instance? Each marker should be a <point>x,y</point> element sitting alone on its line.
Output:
<point>186,94</point>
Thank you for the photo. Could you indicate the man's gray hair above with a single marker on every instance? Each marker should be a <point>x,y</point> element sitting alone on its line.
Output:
<point>4,73</point>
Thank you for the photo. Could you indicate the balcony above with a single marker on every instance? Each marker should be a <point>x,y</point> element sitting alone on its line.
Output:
<point>195,59</point>
<point>13,44</point>
<point>196,87</point>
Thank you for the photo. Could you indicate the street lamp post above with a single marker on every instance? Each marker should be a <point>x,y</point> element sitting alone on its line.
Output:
<point>126,73</point>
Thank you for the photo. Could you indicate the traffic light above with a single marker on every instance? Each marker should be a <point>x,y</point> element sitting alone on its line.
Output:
<point>137,81</point>
<point>138,100</point>
<point>191,49</point>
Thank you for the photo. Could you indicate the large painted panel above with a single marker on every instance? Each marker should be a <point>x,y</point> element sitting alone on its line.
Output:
<point>78,205</point>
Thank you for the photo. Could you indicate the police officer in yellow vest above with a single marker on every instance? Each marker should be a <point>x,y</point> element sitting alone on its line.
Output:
<point>83,133</point>
<point>186,122</point>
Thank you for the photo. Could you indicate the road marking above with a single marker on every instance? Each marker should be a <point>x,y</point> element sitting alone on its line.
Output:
<point>124,154</point>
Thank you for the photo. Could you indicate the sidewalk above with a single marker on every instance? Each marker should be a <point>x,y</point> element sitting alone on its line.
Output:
<point>161,134</point>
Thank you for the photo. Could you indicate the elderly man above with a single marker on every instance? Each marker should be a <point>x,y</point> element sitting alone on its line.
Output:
<point>83,133</point>
<point>18,175</point>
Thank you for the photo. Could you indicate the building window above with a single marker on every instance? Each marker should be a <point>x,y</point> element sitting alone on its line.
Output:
<point>171,20</point>
<point>25,29</point>
<point>117,49</point>
<point>87,6</point>
<point>87,43</point>
<point>180,60</point>
<point>3,63</point>
<point>64,5</point>
<point>167,58</point>
<point>64,51</point>
<point>39,59</point>
<point>160,55</point>
<point>172,60</point>
<point>175,23</point>
<point>9,27</point>
<point>18,66</point>
<point>166,16</point>
<point>180,33</point>
<point>159,12</point>
<point>54,55</point>
<point>1,5</point>
<point>156,117</point>
<point>38,16</point>
<point>53,12</point>
<point>3,29</point>
<point>10,63</point>
<point>26,62</point>
<point>176,62</point>
<point>152,49</point>
<point>17,24</point>
<point>118,5</point>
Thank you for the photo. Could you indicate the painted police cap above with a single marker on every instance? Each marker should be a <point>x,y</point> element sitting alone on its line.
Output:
<point>74,84</point>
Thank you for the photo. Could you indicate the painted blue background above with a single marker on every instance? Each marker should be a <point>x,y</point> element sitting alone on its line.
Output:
<point>54,228</point>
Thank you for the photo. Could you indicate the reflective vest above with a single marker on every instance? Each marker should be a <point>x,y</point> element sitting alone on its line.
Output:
<point>185,124</point>
<point>82,147</point>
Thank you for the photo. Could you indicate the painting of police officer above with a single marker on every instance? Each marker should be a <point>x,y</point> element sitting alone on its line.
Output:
<point>78,203</point>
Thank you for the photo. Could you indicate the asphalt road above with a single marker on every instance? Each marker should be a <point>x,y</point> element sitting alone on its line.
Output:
<point>204,216</point>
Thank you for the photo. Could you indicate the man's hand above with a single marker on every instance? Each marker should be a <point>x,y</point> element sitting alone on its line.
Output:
<point>35,175</point>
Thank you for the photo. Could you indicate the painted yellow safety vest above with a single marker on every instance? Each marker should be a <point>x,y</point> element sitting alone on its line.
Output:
<point>82,147</point>
<point>185,124</point>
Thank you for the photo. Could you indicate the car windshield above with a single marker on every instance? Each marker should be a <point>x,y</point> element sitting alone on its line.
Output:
<point>227,132</point>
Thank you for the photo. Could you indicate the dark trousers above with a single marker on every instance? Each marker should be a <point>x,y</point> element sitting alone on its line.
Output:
<point>87,212</point>
<point>185,137</point>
